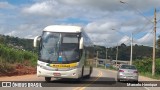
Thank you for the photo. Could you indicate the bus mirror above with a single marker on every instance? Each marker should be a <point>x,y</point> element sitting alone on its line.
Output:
<point>81,43</point>
<point>35,41</point>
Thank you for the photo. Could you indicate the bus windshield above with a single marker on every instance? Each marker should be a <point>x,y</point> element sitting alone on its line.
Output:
<point>59,47</point>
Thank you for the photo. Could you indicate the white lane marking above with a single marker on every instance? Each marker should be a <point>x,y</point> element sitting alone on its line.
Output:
<point>146,88</point>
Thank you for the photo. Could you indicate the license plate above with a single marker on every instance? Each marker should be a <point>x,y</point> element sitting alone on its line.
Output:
<point>128,74</point>
<point>56,74</point>
<point>130,77</point>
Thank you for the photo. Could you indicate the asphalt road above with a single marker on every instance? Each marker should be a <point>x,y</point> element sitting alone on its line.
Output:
<point>101,79</point>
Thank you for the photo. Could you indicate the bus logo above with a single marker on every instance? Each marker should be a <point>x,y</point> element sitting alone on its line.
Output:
<point>6,84</point>
<point>56,69</point>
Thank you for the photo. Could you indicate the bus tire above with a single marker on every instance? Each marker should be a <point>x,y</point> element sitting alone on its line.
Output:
<point>90,72</point>
<point>136,81</point>
<point>47,79</point>
<point>81,77</point>
<point>118,80</point>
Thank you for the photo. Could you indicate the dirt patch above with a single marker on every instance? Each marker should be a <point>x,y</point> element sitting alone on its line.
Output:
<point>16,69</point>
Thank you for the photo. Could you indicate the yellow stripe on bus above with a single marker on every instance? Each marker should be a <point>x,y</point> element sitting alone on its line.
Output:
<point>63,65</point>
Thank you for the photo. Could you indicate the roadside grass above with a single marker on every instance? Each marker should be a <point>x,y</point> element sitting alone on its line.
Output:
<point>144,67</point>
<point>11,59</point>
<point>5,68</point>
<point>148,74</point>
<point>11,55</point>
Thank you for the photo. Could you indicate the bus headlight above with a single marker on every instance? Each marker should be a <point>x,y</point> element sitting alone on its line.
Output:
<point>73,67</point>
<point>38,65</point>
<point>44,67</point>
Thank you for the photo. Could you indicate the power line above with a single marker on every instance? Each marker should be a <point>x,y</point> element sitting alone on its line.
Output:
<point>140,13</point>
<point>137,10</point>
<point>147,36</point>
<point>143,28</point>
<point>158,21</point>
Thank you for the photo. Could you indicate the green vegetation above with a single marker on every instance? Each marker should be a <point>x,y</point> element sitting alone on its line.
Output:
<point>101,51</point>
<point>148,74</point>
<point>6,67</point>
<point>17,43</point>
<point>158,46</point>
<point>16,50</point>
<point>11,55</point>
<point>139,52</point>
<point>11,60</point>
<point>158,42</point>
<point>144,66</point>
<point>15,54</point>
<point>142,57</point>
<point>112,68</point>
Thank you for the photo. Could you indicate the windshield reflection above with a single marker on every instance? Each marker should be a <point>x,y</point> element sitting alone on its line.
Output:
<point>59,47</point>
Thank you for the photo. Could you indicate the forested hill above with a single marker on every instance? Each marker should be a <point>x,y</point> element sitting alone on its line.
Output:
<point>139,52</point>
<point>18,43</point>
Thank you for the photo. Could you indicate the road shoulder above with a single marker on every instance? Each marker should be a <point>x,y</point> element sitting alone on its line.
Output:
<point>141,78</point>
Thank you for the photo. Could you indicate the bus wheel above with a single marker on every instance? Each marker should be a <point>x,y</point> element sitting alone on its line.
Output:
<point>81,77</point>
<point>118,80</point>
<point>47,79</point>
<point>90,72</point>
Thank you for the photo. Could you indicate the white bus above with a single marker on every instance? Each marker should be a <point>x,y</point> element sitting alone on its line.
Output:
<point>64,52</point>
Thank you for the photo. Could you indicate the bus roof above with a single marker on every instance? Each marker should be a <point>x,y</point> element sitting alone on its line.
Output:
<point>63,28</point>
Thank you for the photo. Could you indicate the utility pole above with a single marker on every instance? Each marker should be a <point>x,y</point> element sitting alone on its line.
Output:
<point>106,59</point>
<point>116,55</point>
<point>131,49</point>
<point>97,59</point>
<point>154,45</point>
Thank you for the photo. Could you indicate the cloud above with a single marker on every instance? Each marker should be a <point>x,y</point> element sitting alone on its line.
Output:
<point>125,39</point>
<point>49,8</point>
<point>94,4</point>
<point>24,31</point>
<point>114,5</point>
<point>6,5</point>
<point>142,5</point>
<point>146,39</point>
<point>2,29</point>
<point>128,29</point>
<point>100,27</point>
<point>98,17</point>
<point>39,8</point>
<point>101,33</point>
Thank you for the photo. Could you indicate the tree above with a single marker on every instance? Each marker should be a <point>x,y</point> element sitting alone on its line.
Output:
<point>123,45</point>
<point>158,45</point>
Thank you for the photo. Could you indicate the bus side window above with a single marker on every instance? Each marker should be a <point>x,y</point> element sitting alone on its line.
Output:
<point>81,52</point>
<point>85,53</point>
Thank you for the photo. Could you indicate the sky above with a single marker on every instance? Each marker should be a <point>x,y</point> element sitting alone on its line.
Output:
<point>107,22</point>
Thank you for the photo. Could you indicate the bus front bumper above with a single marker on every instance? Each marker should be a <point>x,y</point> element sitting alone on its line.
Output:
<point>74,73</point>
